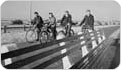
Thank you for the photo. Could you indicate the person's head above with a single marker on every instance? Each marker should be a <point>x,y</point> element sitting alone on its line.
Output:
<point>66,12</point>
<point>88,12</point>
<point>36,13</point>
<point>50,14</point>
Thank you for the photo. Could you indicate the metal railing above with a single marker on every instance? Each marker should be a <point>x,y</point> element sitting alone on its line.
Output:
<point>41,56</point>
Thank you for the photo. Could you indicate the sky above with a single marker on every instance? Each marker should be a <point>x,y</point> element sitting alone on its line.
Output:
<point>102,10</point>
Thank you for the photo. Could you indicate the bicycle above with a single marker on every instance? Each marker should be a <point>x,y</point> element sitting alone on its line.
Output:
<point>86,30</point>
<point>45,34</point>
<point>31,34</point>
<point>51,31</point>
<point>64,31</point>
<point>48,31</point>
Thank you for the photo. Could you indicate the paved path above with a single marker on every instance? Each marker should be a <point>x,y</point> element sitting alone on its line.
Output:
<point>116,60</point>
<point>110,58</point>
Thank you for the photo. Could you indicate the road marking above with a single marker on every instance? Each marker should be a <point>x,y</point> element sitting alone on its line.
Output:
<point>65,60</point>
<point>94,44</point>
<point>99,40</point>
<point>92,38</point>
<point>84,50</point>
<point>8,61</point>
<point>79,33</point>
<point>91,34</point>
<point>83,42</point>
<point>7,48</point>
<point>82,37</point>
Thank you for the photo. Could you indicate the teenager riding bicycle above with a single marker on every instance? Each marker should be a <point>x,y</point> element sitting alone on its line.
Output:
<point>88,21</point>
<point>67,22</point>
<point>38,23</point>
<point>52,24</point>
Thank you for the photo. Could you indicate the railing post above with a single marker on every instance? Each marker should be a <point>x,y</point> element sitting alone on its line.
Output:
<point>24,27</point>
<point>5,29</point>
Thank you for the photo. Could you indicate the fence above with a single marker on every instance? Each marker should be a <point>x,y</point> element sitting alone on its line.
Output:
<point>41,56</point>
<point>6,28</point>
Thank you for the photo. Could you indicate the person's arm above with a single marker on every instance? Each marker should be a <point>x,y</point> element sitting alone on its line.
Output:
<point>41,20</point>
<point>83,21</point>
<point>33,22</point>
<point>54,21</point>
<point>62,19</point>
<point>93,20</point>
<point>70,19</point>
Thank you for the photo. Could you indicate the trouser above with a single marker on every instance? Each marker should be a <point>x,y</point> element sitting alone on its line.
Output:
<point>53,31</point>
<point>68,28</point>
<point>92,27</point>
<point>38,31</point>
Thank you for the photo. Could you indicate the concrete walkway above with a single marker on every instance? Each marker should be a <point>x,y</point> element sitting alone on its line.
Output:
<point>116,60</point>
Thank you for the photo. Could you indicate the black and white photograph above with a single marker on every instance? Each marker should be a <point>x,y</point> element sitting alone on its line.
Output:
<point>60,34</point>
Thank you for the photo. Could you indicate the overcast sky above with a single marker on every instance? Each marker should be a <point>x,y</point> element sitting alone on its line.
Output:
<point>102,10</point>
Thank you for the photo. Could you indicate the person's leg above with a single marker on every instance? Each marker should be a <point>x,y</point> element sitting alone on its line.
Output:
<point>38,32</point>
<point>69,29</point>
<point>49,29</point>
<point>83,28</point>
<point>92,27</point>
<point>54,32</point>
<point>67,32</point>
<point>66,29</point>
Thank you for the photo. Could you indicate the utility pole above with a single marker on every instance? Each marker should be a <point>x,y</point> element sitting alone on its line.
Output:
<point>30,10</point>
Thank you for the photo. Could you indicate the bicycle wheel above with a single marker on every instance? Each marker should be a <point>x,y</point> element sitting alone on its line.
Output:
<point>61,32</point>
<point>71,32</point>
<point>43,37</point>
<point>31,35</point>
<point>50,35</point>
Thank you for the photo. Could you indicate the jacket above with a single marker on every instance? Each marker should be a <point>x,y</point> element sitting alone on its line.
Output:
<point>66,19</point>
<point>88,20</point>
<point>38,20</point>
<point>52,20</point>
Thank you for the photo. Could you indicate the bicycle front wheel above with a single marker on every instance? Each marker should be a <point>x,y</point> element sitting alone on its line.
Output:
<point>31,35</point>
<point>43,37</point>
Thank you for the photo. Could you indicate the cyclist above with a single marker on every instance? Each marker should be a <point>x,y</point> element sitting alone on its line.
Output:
<point>88,21</point>
<point>38,23</point>
<point>52,24</point>
<point>67,22</point>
